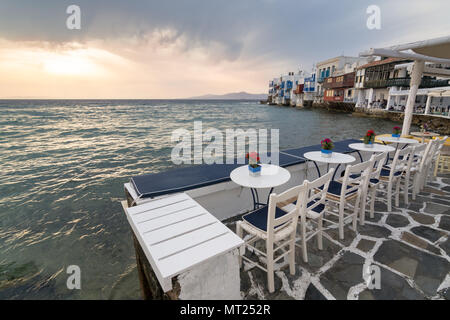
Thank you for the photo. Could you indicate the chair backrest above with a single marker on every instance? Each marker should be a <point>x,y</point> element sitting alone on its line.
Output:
<point>440,144</point>
<point>427,154</point>
<point>356,178</point>
<point>378,163</point>
<point>316,192</point>
<point>400,162</point>
<point>414,159</point>
<point>291,195</point>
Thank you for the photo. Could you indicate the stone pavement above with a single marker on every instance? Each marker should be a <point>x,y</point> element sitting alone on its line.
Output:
<point>410,245</point>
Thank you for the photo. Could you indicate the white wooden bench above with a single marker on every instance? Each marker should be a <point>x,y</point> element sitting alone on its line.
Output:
<point>177,234</point>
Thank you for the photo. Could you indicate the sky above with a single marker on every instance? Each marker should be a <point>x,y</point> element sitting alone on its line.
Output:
<point>145,49</point>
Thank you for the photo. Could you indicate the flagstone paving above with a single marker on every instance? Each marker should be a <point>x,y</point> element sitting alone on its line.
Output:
<point>410,247</point>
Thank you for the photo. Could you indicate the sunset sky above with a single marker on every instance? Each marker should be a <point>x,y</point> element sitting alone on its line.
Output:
<point>176,49</point>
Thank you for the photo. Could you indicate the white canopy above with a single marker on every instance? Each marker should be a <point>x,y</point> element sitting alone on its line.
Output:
<point>434,50</point>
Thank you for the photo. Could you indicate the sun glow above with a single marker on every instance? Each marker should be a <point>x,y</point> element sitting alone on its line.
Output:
<point>70,63</point>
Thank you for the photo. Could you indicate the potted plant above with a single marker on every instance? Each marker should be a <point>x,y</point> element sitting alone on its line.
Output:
<point>254,167</point>
<point>424,127</point>
<point>327,147</point>
<point>369,138</point>
<point>396,132</point>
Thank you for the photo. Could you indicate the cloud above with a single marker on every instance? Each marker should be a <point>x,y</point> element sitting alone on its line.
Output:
<point>191,47</point>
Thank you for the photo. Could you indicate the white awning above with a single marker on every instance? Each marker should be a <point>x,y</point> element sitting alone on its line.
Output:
<point>437,47</point>
<point>433,50</point>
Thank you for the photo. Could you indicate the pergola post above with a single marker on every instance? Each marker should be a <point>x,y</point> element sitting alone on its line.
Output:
<point>389,100</point>
<point>427,108</point>
<point>370,101</point>
<point>416,78</point>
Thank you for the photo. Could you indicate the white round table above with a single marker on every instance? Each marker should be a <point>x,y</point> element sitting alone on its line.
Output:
<point>376,147</point>
<point>405,141</point>
<point>398,140</point>
<point>336,158</point>
<point>424,135</point>
<point>271,176</point>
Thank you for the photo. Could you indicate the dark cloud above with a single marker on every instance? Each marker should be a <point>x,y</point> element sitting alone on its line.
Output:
<point>293,30</point>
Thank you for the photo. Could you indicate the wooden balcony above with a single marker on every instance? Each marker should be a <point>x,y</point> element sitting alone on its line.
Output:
<point>343,81</point>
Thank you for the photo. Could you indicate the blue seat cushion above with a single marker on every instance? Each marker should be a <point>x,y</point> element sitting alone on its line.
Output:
<point>336,187</point>
<point>317,209</point>
<point>387,172</point>
<point>258,218</point>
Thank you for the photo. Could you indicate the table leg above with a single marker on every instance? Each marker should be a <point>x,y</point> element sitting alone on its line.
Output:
<point>254,200</point>
<point>255,196</point>
<point>360,157</point>
<point>317,167</point>
<point>335,171</point>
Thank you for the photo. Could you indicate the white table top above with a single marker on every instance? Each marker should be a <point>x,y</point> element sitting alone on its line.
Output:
<point>176,233</point>
<point>271,176</point>
<point>398,140</point>
<point>376,147</point>
<point>336,157</point>
<point>424,134</point>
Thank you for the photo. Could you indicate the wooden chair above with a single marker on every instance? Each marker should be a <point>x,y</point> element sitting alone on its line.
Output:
<point>429,161</point>
<point>346,196</point>
<point>374,181</point>
<point>441,159</point>
<point>312,209</point>
<point>413,169</point>
<point>391,175</point>
<point>273,225</point>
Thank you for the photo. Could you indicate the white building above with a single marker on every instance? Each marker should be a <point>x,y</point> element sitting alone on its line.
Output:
<point>327,68</point>
<point>371,82</point>
<point>282,90</point>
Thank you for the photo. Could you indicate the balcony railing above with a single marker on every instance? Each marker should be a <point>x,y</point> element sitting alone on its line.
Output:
<point>432,83</point>
<point>404,82</point>
<point>376,83</point>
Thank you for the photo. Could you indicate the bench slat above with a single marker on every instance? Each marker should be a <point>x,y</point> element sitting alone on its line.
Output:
<point>198,254</point>
<point>162,221</point>
<point>152,205</point>
<point>208,231</point>
<point>178,229</point>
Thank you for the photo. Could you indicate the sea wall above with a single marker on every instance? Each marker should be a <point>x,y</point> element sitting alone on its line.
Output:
<point>437,124</point>
<point>335,106</point>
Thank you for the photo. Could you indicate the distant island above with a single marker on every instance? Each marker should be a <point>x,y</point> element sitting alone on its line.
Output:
<point>232,96</point>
